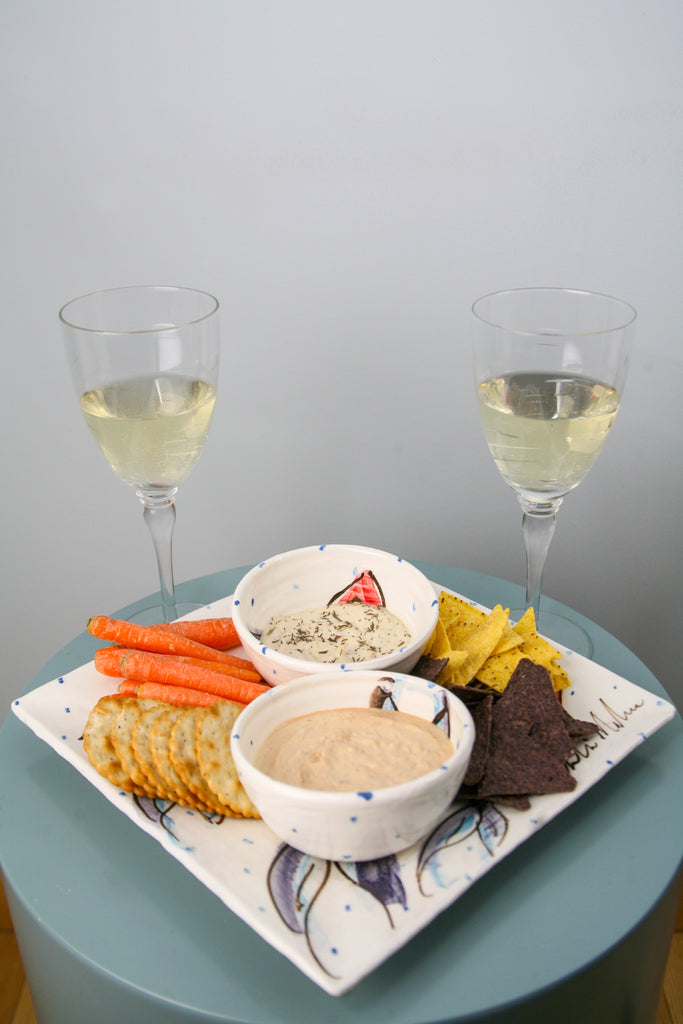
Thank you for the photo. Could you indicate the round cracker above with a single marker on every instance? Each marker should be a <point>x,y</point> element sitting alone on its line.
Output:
<point>122,740</point>
<point>143,753</point>
<point>160,742</point>
<point>98,744</point>
<point>183,753</point>
<point>215,758</point>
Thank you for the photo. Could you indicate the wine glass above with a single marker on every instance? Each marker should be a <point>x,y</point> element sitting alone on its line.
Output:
<point>550,366</point>
<point>144,363</point>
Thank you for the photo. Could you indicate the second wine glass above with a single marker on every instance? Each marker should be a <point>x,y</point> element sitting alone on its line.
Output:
<point>550,367</point>
<point>144,363</point>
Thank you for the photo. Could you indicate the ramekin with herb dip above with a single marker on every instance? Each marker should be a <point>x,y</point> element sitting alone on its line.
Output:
<point>332,575</point>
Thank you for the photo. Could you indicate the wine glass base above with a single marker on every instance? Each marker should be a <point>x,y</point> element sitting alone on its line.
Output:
<point>562,630</point>
<point>152,615</point>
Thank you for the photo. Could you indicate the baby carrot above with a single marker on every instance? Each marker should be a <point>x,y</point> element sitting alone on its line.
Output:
<point>128,688</point>
<point>151,638</point>
<point>219,633</point>
<point>108,661</point>
<point>238,668</point>
<point>157,668</point>
<point>168,694</point>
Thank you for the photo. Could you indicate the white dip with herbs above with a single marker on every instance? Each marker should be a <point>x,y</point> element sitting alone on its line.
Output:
<point>352,749</point>
<point>338,634</point>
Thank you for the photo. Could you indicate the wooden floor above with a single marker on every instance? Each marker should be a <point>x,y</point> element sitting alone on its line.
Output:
<point>16,1006</point>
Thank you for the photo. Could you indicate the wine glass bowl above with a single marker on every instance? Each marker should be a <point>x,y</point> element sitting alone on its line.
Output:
<point>550,367</point>
<point>560,422</point>
<point>144,364</point>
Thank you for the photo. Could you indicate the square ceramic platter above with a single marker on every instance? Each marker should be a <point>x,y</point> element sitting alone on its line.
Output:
<point>337,922</point>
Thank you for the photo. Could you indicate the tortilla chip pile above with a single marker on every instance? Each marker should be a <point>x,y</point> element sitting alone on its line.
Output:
<point>510,680</point>
<point>159,750</point>
<point>524,738</point>
<point>469,644</point>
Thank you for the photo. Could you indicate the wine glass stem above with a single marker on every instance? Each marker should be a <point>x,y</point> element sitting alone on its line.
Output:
<point>538,526</point>
<point>159,515</point>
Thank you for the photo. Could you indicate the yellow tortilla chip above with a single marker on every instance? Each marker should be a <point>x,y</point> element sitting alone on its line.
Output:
<point>559,677</point>
<point>464,624</point>
<point>480,644</point>
<point>539,650</point>
<point>450,607</point>
<point>464,635</point>
<point>508,641</point>
<point>447,673</point>
<point>496,671</point>
<point>526,626</point>
<point>438,646</point>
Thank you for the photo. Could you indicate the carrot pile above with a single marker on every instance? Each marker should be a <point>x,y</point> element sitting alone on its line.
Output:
<point>184,663</point>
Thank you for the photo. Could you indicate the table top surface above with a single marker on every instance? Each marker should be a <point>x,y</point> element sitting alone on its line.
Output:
<point>114,897</point>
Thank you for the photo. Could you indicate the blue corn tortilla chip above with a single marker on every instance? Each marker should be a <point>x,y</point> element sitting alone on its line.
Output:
<point>429,668</point>
<point>530,743</point>
<point>577,729</point>
<point>482,716</point>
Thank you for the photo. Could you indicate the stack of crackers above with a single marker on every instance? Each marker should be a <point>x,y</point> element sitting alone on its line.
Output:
<point>163,751</point>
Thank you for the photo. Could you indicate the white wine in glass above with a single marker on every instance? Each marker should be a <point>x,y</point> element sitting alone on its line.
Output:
<point>150,428</point>
<point>550,367</point>
<point>144,362</point>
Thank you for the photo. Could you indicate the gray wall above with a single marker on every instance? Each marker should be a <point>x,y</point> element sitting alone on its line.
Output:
<point>347,178</point>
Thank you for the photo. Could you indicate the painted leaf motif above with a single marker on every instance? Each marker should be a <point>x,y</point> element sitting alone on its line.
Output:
<point>294,882</point>
<point>160,811</point>
<point>307,904</point>
<point>456,828</point>
<point>381,878</point>
<point>349,918</point>
<point>460,824</point>
<point>492,828</point>
<point>153,807</point>
<point>170,816</point>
